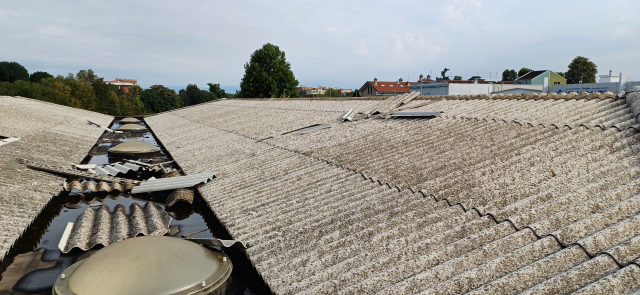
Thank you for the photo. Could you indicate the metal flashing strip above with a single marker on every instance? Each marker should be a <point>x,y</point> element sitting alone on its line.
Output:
<point>8,140</point>
<point>314,128</point>
<point>102,227</point>
<point>72,172</point>
<point>416,114</point>
<point>169,183</point>
<point>347,117</point>
<point>219,243</point>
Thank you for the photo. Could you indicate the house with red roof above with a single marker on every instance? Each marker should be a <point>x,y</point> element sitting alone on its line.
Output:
<point>375,87</point>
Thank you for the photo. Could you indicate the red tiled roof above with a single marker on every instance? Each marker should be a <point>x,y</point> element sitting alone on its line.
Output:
<point>386,86</point>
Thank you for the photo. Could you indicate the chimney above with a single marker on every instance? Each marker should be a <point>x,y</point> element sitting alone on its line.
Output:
<point>610,72</point>
<point>475,81</point>
<point>421,76</point>
<point>375,81</point>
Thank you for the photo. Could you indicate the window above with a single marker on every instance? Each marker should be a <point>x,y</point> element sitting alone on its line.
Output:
<point>401,85</point>
<point>382,85</point>
<point>556,83</point>
<point>391,85</point>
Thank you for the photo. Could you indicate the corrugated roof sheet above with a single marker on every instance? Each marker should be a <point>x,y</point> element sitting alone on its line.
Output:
<point>497,195</point>
<point>49,133</point>
<point>100,226</point>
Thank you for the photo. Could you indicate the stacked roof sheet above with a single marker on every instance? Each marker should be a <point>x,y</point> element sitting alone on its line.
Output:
<point>497,195</point>
<point>48,133</point>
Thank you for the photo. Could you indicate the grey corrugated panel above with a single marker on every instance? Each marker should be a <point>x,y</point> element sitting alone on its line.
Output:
<point>473,162</point>
<point>102,227</point>
<point>416,114</point>
<point>91,186</point>
<point>160,184</point>
<point>622,281</point>
<point>571,280</point>
<point>49,133</point>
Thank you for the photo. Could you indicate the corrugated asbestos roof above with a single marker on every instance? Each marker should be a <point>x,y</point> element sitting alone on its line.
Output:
<point>100,226</point>
<point>48,133</point>
<point>500,194</point>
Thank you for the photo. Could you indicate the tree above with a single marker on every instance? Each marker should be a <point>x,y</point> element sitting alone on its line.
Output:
<point>356,93</point>
<point>581,70</point>
<point>509,75</point>
<point>523,72</point>
<point>330,92</point>
<point>197,96</point>
<point>216,90</point>
<point>12,71</point>
<point>562,74</point>
<point>37,76</point>
<point>268,74</point>
<point>457,77</point>
<point>159,99</point>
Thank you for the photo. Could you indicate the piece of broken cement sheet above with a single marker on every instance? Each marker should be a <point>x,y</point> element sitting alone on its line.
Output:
<point>212,242</point>
<point>171,183</point>
<point>182,195</point>
<point>99,226</point>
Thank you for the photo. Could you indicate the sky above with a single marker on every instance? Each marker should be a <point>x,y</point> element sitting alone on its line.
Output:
<point>330,43</point>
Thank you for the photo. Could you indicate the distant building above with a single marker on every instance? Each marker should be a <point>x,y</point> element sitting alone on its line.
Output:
<point>123,84</point>
<point>537,78</point>
<point>375,87</point>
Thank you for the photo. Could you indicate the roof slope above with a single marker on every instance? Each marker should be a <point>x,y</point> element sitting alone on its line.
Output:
<point>497,195</point>
<point>390,86</point>
<point>531,75</point>
<point>49,133</point>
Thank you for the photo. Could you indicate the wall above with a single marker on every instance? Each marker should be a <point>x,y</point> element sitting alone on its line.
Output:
<point>587,87</point>
<point>524,88</point>
<point>431,88</point>
<point>631,84</point>
<point>459,89</point>
<point>556,78</point>
<point>519,90</point>
<point>367,90</point>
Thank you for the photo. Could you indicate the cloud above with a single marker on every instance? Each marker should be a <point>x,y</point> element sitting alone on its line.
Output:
<point>328,42</point>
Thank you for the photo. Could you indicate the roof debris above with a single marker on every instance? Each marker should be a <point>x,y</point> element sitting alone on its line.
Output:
<point>182,195</point>
<point>6,140</point>
<point>416,114</point>
<point>170,183</point>
<point>99,226</point>
<point>100,186</point>
<point>213,242</point>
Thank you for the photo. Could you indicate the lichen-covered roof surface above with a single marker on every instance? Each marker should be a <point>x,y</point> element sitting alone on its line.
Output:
<point>498,195</point>
<point>49,133</point>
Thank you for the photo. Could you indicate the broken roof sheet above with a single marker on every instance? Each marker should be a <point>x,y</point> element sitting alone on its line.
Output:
<point>104,227</point>
<point>49,133</point>
<point>497,195</point>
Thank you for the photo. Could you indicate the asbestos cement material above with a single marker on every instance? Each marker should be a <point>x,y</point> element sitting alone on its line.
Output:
<point>114,169</point>
<point>100,226</point>
<point>218,243</point>
<point>134,147</point>
<point>49,133</point>
<point>180,195</point>
<point>90,186</point>
<point>499,194</point>
<point>416,114</point>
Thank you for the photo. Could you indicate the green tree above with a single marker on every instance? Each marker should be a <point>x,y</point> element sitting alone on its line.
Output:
<point>457,77</point>
<point>581,70</point>
<point>356,93</point>
<point>509,75</point>
<point>330,92</point>
<point>562,74</point>
<point>523,71</point>
<point>268,74</point>
<point>12,71</point>
<point>216,90</point>
<point>160,99</point>
<point>196,96</point>
<point>37,76</point>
